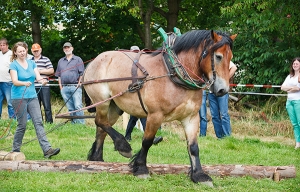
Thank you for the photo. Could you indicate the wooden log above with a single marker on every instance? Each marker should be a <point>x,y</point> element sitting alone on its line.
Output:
<point>11,156</point>
<point>272,172</point>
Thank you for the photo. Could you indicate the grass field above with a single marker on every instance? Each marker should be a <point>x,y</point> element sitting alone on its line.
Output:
<point>254,142</point>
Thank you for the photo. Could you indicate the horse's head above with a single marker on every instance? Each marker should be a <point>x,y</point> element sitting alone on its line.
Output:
<point>215,60</point>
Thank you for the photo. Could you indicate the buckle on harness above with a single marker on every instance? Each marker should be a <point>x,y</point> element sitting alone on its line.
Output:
<point>133,87</point>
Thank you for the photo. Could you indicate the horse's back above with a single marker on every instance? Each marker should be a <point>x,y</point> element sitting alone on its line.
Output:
<point>158,94</point>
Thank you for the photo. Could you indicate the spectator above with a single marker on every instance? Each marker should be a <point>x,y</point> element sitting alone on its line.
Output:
<point>291,85</point>
<point>28,57</point>
<point>203,116</point>
<point>219,110</point>
<point>23,73</point>
<point>69,72</point>
<point>5,79</point>
<point>45,68</point>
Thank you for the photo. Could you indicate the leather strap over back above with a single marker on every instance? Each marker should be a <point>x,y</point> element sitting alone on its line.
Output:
<point>137,83</point>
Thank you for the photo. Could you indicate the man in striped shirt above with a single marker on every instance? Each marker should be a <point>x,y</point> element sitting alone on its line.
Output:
<point>46,69</point>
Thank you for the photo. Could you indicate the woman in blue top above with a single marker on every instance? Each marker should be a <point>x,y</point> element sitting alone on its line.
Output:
<point>24,99</point>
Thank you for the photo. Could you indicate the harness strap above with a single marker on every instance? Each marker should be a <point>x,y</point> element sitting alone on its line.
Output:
<point>136,84</point>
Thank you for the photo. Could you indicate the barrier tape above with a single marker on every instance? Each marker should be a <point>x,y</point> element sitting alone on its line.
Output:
<point>231,85</point>
<point>252,85</point>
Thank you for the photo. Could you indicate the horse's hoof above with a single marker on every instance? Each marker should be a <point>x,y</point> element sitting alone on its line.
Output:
<point>126,154</point>
<point>208,183</point>
<point>144,176</point>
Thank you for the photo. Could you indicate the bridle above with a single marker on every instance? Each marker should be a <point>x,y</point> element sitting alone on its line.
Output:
<point>208,82</point>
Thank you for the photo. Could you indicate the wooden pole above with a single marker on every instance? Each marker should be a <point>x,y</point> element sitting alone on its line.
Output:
<point>273,172</point>
<point>11,156</point>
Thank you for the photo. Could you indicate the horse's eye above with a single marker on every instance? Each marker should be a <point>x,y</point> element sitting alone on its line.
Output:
<point>219,57</point>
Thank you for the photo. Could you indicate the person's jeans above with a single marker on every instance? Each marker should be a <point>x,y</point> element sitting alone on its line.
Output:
<point>21,107</point>
<point>202,114</point>
<point>132,122</point>
<point>219,113</point>
<point>73,100</point>
<point>293,109</point>
<point>43,94</point>
<point>5,92</point>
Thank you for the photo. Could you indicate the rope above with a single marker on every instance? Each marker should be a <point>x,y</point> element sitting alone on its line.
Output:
<point>47,132</point>
<point>94,105</point>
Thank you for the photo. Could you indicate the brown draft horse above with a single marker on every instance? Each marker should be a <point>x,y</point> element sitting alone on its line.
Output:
<point>205,53</point>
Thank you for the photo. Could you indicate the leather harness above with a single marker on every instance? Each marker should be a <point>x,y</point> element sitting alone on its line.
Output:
<point>137,82</point>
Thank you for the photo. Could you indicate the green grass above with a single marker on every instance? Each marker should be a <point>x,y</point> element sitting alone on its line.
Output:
<point>76,140</point>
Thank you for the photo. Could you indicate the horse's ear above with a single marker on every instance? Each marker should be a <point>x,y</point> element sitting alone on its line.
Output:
<point>215,37</point>
<point>233,37</point>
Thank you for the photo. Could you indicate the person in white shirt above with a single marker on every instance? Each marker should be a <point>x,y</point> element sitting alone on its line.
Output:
<point>5,79</point>
<point>291,85</point>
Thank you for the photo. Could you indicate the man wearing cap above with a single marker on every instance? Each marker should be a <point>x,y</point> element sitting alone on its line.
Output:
<point>5,79</point>
<point>45,68</point>
<point>69,72</point>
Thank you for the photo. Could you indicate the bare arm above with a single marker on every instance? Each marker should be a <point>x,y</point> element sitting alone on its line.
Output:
<point>59,83</point>
<point>48,71</point>
<point>232,71</point>
<point>16,82</point>
<point>290,89</point>
<point>39,78</point>
<point>79,81</point>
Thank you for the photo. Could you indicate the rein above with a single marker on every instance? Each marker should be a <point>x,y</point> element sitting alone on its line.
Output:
<point>179,75</point>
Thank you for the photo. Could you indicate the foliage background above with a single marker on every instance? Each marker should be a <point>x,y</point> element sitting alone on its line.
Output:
<point>268,31</point>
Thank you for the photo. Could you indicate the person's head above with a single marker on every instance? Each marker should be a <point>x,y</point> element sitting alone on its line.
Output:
<point>68,48</point>
<point>3,45</point>
<point>295,65</point>
<point>26,47</point>
<point>19,51</point>
<point>36,50</point>
<point>134,48</point>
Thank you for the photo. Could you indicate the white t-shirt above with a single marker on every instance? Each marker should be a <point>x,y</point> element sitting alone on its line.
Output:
<point>292,81</point>
<point>4,66</point>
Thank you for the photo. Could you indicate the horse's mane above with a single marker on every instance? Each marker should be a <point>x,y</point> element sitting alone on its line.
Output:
<point>193,39</point>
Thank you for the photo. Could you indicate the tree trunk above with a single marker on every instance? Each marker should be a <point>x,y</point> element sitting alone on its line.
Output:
<point>36,29</point>
<point>146,16</point>
<point>172,15</point>
<point>272,172</point>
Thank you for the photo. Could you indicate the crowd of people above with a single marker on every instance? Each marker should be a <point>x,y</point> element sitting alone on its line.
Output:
<point>24,85</point>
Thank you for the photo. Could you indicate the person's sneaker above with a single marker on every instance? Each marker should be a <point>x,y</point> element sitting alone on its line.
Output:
<point>157,140</point>
<point>51,152</point>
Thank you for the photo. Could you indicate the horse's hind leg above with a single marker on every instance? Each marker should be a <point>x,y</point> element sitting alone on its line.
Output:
<point>104,119</point>
<point>191,126</point>
<point>96,152</point>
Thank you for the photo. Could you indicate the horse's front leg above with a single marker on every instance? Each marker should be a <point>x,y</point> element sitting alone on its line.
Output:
<point>139,161</point>
<point>191,126</point>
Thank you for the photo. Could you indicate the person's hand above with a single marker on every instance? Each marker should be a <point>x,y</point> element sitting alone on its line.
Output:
<point>44,82</point>
<point>27,84</point>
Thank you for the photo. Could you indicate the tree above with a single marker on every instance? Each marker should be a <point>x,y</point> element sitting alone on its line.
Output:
<point>268,38</point>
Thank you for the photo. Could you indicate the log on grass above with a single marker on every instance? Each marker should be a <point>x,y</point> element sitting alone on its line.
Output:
<point>272,172</point>
<point>11,156</point>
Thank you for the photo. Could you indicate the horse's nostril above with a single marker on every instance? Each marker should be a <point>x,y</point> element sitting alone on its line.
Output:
<point>221,92</point>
